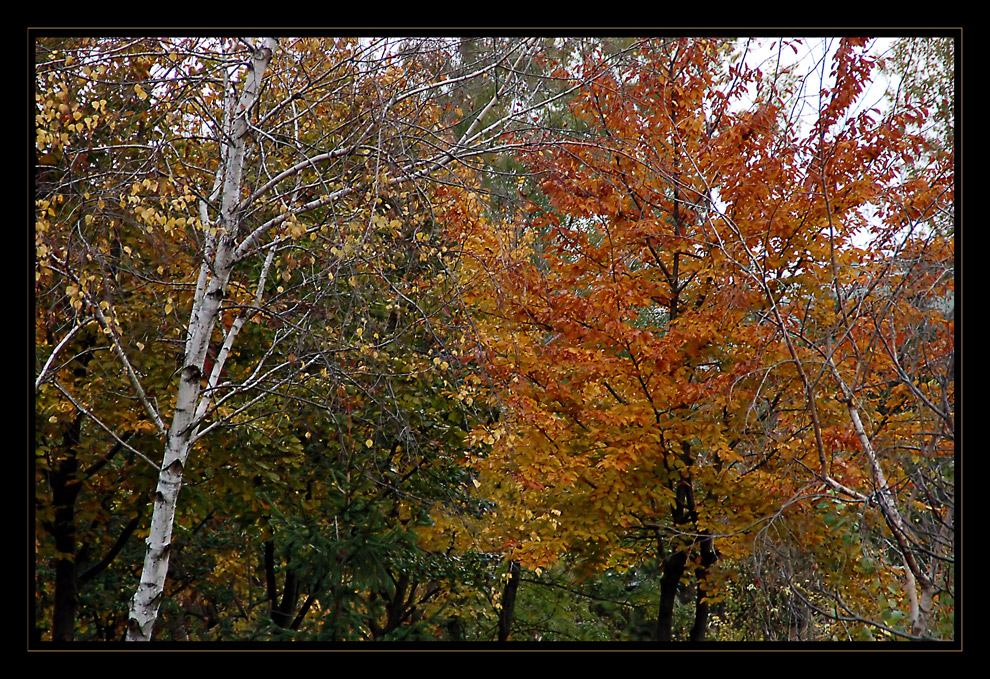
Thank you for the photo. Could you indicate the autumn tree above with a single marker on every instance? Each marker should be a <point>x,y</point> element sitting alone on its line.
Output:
<point>619,409</point>
<point>692,339</point>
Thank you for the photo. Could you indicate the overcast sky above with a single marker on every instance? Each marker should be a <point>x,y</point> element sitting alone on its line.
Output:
<point>806,58</point>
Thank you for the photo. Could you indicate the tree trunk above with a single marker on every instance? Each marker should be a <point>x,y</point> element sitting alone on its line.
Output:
<point>282,615</point>
<point>702,608</point>
<point>673,569</point>
<point>508,602</point>
<point>684,514</point>
<point>64,491</point>
<point>66,481</point>
<point>65,484</point>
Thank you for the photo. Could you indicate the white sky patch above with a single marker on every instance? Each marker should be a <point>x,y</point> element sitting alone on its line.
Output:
<point>809,62</point>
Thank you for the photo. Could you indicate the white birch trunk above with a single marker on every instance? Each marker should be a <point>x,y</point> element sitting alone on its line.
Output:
<point>202,320</point>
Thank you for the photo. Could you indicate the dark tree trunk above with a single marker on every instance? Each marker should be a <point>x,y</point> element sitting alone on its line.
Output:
<point>396,608</point>
<point>673,569</point>
<point>66,481</point>
<point>702,607</point>
<point>508,602</point>
<point>399,606</point>
<point>685,517</point>
<point>65,485</point>
<point>282,613</point>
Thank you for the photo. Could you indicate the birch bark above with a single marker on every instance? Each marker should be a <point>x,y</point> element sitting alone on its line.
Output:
<point>215,269</point>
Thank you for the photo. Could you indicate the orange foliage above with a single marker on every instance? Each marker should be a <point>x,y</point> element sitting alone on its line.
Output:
<point>679,332</point>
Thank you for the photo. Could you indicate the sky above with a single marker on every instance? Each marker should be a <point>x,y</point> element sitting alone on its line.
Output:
<point>805,57</point>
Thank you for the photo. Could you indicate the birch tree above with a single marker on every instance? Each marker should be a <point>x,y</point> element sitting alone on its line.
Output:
<point>219,259</point>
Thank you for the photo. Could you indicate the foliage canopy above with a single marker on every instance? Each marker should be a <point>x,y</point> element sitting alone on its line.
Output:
<point>484,339</point>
